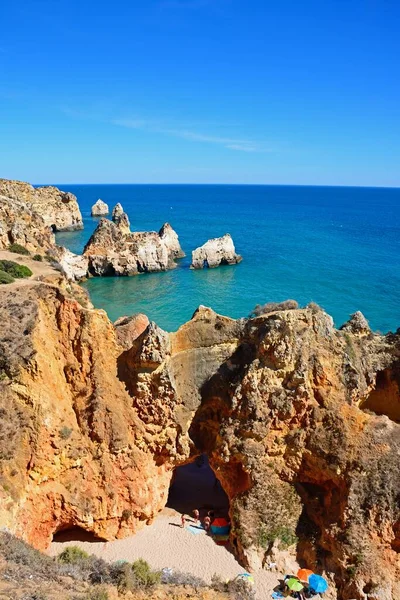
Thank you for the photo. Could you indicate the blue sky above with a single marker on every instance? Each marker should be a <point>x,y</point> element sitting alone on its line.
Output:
<point>246,91</point>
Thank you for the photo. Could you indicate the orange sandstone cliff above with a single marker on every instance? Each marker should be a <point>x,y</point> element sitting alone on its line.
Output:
<point>300,422</point>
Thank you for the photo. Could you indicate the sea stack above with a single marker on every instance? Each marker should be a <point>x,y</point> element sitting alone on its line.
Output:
<point>100,209</point>
<point>215,252</point>
<point>114,249</point>
<point>171,240</point>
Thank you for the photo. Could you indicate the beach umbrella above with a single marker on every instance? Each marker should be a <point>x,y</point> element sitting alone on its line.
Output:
<point>246,577</point>
<point>317,583</point>
<point>304,574</point>
<point>294,584</point>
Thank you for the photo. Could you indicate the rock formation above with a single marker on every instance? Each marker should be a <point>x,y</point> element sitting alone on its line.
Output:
<point>215,252</point>
<point>100,209</point>
<point>117,212</point>
<point>20,224</point>
<point>74,266</point>
<point>171,240</point>
<point>59,210</point>
<point>94,419</point>
<point>114,250</point>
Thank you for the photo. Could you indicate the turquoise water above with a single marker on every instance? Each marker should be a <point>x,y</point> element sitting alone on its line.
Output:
<point>338,247</point>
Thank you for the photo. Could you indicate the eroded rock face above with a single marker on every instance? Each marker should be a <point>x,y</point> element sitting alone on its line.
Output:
<point>74,266</point>
<point>58,209</point>
<point>94,419</point>
<point>20,224</point>
<point>100,209</point>
<point>114,250</point>
<point>117,212</point>
<point>72,447</point>
<point>171,240</point>
<point>215,252</point>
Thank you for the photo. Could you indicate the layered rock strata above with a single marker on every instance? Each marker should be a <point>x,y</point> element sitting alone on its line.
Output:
<point>94,418</point>
<point>20,224</point>
<point>114,249</point>
<point>100,209</point>
<point>215,252</point>
<point>58,209</point>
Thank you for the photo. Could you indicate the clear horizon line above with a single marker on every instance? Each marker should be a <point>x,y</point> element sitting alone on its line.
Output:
<point>321,185</point>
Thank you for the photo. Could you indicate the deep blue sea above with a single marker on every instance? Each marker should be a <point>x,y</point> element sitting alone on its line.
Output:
<point>339,247</point>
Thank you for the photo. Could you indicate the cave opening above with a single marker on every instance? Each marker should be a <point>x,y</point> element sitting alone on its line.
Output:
<point>385,398</point>
<point>195,486</point>
<point>72,533</point>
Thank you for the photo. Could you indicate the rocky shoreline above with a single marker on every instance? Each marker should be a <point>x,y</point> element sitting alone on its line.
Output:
<point>300,421</point>
<point>29,216</point>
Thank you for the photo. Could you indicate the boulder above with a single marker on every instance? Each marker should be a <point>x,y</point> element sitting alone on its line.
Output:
<point>100,209</point>
<point>171,240</point>
<point>58,209</point>
<point>215,252</point>
<point>128,329</point>
<point>115,250</point>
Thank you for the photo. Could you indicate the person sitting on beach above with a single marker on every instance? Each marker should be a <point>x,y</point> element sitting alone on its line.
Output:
<point>196,515</point>
<point>183,521</point>
<point>207,523</point>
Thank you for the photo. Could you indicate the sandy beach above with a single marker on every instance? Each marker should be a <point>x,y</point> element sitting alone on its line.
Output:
<point>165,544</point>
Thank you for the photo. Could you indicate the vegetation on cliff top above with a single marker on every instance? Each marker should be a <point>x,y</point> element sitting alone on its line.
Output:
<point>10,270</point>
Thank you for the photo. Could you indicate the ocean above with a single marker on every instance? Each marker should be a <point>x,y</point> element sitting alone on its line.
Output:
<point>336,246</point>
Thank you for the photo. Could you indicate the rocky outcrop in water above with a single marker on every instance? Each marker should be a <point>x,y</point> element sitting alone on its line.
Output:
<point>300,422</point>
<point>59,210</point>
<point>215,252</point>
<point>20,224</point>
<point>170,238</point>
<point>100,209</point>
<point>114,250</point>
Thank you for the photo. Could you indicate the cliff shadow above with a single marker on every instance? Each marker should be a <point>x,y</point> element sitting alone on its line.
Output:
<point>76,534</point>
<point>385,398</point>
<point>195,486</point>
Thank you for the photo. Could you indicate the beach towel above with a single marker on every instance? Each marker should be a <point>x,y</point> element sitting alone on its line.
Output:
<point>277,595</point>
<point>195,530</point>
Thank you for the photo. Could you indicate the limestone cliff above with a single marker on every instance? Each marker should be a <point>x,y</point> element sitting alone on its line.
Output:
<point>114,249</point>
<point>58,209</point>
<point>20,224</point>
<point>300,422</point>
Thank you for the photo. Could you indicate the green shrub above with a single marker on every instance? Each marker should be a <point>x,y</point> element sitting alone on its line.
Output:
<point>18,249</point>
<point>285,535</point>
<point>144,575</point>
<point>14,269</point>
<point>5,277</point>
<point>72,555</point>
<point>65,432</point>
<point>122,576</point>
<point>38,257</point>
<point>126,514</point>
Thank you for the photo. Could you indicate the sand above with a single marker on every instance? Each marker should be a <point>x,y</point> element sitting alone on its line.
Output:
<point>165,544</point>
